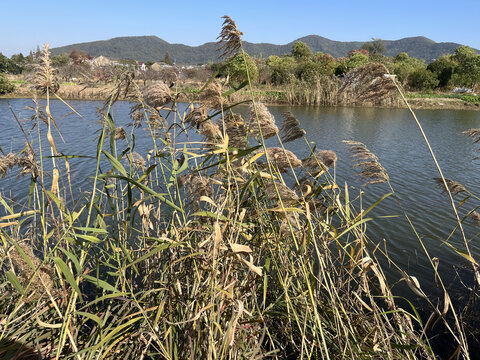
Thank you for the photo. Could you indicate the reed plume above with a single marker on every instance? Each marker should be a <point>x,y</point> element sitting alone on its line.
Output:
<point>137,115</point>
<point>157,94</point>
<point>230,38</point>
<point>287,195</point>
<point>291,129</point>
<point>282,158</point>
<point>211,96</point>
<point>475,217</point>
<point>234,126</point>
<point>368,163</point>
<point>40,281</point>
<point>265,126</point>
<point>45,77</point>
<point>26,162</point>
<point>197,186</point>
<point>120,133</point>
<point>320,161</point>
<point>453,186</point>
<point>136,160</point>
<point>7,162</point>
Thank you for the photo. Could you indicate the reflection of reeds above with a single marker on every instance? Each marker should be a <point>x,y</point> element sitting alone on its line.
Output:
<point>291,129</point>
<point>266,121</point>
<point>368,163</point>
<point>453,186</point>
<point>230,38</point>
<point>475,135</point>
<point>282,158</point>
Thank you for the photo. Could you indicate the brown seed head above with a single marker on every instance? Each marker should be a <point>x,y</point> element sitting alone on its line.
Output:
<point>291,129</point>
<point>40,281</point>
<point>371,167</point>
<point>282,158</point>
<point>45,78</point>
<point>235,129</point>
<point>230,38</point>
<point>265,125</point>
<point>211,96</point>
<point>120,133</point>
<point>453,186</point>
<point>157,94</point>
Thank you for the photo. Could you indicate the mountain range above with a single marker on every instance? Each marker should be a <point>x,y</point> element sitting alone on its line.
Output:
<point>152,48</point>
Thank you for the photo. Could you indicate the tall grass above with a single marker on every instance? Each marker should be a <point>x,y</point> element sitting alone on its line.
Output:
<point>213,249</point>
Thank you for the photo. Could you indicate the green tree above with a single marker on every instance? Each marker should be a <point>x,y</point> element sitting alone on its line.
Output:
<point>375,47</point>
<point>467,73</point>
<point>237,68</point>
<point>443,68</point>
<point>355,60</point>
<point>423,80</point>
<point>403,56</point>
<point>19,59</point>
<point>167,60</point>
<point>309,71</point>
<point>5,85</point>
<point>282,68</point>
<point>301,51</point>
<point>326,62</point>
<point>404,66</point>
<point>9,66</point>
<point>61,60</point>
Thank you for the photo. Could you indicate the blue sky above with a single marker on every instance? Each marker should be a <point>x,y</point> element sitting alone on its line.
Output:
<point>28,23</point>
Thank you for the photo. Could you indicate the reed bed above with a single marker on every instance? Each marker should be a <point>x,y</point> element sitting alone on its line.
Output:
<point>197,250</point>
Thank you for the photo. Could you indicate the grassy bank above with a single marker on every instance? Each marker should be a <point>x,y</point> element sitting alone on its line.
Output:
<point>223,248</point>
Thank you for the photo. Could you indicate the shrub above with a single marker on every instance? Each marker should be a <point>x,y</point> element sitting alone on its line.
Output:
<point>5,85</point>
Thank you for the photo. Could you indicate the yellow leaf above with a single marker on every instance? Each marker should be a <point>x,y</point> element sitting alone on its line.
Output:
<point>256,269</point>
<point>238,248</point>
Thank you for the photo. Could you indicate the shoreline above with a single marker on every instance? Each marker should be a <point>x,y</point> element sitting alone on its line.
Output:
<point>81,93</point>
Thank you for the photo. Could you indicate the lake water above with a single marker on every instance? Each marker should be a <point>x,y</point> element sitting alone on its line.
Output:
<point>389,133</point>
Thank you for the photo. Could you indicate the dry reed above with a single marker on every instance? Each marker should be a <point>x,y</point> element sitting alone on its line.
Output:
<point>265,126</point>
<point>234,126</point>
<point>157,94</point>
<point>368,163</point>
<point>45,78</point>
<point>212,97</point>
<point>291,129</point>
<point>320,161</point>
<point>283,159</point>
<point>453,186</point>
<point>40,278</point>
<point>230,38</point>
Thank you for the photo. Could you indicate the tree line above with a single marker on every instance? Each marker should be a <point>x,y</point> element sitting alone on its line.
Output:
<point>300,67</point>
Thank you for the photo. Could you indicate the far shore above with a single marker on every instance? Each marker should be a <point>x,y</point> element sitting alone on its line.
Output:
<point>187,94</point>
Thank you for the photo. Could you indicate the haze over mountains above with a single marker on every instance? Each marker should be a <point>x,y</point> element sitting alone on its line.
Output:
<point>152,48</point>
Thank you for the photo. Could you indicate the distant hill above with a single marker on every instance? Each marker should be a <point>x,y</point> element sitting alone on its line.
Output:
<point>152,48</point>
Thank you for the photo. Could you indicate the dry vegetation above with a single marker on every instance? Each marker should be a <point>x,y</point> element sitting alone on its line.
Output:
<point>200,250</point>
